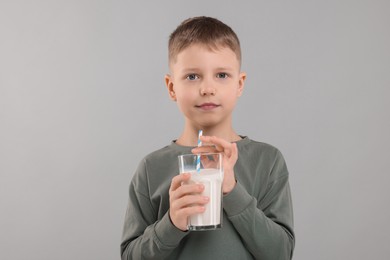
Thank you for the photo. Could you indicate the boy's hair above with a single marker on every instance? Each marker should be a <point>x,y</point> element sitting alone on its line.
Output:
<point>203,30</point>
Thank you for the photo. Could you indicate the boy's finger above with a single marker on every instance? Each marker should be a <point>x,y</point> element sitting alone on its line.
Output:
<point>188,211</point>
<point>178,179</point>
<point>220,145</point>
<point>218,142</point>
<point>191,200</point>
<point>205,149</point>
<point>186,189</point>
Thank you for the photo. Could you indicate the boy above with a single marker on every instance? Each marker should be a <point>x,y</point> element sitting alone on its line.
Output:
<point>205,82</point>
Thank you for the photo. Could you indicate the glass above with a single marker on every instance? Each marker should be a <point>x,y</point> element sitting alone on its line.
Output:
<point>210,174</point>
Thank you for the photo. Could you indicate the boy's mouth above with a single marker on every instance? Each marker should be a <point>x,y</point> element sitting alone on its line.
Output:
<point>207,106</point>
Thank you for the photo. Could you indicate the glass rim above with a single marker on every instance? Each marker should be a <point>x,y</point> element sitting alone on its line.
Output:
<point>196,154</point>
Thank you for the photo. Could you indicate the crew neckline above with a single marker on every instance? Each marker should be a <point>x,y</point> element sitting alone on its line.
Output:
<point>244,140</point>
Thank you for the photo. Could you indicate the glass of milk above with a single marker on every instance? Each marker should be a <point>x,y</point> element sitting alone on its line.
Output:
<point>209,172</point>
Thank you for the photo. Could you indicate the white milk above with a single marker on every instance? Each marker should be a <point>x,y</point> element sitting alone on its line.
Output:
<point>212,181</point>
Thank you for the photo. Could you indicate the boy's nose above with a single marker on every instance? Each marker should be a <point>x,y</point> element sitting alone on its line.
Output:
<point>207,90</point>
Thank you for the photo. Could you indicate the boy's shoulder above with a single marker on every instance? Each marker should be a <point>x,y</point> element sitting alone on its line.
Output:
<point>167,152</point>
<point>253,146</point>
<point>260,155</point>
<point>157,154</point>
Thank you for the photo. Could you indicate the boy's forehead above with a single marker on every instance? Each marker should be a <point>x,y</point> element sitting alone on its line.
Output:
<point>194,52</point>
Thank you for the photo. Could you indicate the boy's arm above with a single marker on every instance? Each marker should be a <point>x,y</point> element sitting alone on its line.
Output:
<point>145,237</point>
<point>265,224</point>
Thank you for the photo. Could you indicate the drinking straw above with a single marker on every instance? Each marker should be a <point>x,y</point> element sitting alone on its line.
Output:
<point>198,156</point>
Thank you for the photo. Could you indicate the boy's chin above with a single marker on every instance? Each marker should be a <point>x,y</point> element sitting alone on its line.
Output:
<point>211,123</point>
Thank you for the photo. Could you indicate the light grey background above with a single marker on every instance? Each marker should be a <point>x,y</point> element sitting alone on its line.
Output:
<point>82,100</point>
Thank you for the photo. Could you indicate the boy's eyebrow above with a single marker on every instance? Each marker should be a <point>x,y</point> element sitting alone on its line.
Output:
<point>189,70</point>
<point>197,69</point>
<point>224,68</point>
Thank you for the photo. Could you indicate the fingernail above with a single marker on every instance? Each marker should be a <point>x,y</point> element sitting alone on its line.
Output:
<point>206,198</point>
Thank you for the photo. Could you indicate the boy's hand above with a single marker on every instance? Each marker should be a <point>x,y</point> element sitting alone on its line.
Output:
<point>230,156</point>
<point>185,200</point>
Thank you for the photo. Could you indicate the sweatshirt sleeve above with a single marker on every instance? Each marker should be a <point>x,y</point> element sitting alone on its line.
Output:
<point>265,224</point>
<point>144,236</point>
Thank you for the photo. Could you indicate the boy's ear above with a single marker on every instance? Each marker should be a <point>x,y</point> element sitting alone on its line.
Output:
<point>241,83</point>
<point>169,84</point>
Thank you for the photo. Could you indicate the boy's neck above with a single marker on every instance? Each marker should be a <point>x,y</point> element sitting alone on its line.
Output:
<point>189,137</point>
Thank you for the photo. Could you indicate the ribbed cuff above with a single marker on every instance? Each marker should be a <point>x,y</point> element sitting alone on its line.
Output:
<point>236,201</point>
<point>167,234</point>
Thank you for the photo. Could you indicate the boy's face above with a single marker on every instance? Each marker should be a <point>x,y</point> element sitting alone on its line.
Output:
<point>206,84</point>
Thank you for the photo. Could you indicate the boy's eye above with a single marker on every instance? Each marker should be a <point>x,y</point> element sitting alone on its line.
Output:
<point>192,77</point>
<point>222,75</point>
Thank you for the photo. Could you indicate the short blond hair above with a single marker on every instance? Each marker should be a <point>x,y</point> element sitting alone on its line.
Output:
<point>203,30</point>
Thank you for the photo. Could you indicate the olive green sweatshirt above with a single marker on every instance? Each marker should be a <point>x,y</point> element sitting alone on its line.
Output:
<point>257,220</point>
